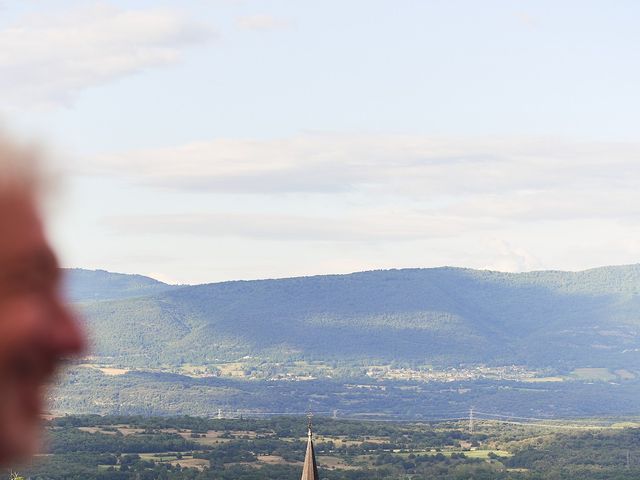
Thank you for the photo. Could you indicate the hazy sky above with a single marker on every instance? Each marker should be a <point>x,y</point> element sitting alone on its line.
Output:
<point>207,140</point>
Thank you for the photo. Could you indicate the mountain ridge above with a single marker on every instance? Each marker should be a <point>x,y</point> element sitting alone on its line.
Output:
<point>444,316</point>
<point>361,272</point>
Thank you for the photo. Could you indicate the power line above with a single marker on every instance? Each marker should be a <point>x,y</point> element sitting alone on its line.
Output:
<point>511,416</point>
<point>545,425</point>
<point>472,416</point>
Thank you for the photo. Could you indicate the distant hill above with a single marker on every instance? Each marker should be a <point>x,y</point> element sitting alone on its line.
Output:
<point>96,285</point>
<point>443,316</point>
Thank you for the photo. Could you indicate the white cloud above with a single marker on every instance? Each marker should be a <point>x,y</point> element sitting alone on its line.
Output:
<point>261,22</point>
<point>420,168</point>
<point>409,187</point>
<point>508,204</point>
<point>502,256</point>
<point>47,59</point>
<point>359,226</point>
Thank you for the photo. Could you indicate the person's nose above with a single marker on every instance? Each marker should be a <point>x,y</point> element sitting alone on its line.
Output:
<point>67,335</point>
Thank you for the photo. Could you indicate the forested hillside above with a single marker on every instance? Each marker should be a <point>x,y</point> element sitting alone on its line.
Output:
<point>440,316</point>
<point>98,285</point>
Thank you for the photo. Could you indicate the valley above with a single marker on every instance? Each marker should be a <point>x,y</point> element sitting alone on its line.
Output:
<point>409,344</point>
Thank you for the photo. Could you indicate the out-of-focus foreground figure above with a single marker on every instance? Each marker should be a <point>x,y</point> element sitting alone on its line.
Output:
<point>37,331</point>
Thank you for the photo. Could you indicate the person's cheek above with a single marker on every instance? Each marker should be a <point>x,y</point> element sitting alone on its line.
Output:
<point>23,370</point>
<point>20,433</point>
<point>19,330</point>
<point>23,331</point>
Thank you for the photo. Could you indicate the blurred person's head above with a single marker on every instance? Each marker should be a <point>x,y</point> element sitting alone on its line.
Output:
<point>37,331</point>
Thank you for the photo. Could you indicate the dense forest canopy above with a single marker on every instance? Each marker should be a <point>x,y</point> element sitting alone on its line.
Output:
<point>441,316</point>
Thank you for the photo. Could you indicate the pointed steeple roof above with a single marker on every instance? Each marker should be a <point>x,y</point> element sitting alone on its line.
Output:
<point>310,468</point>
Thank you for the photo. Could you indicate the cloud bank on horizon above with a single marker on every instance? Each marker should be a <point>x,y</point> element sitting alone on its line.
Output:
<point>234,140</point>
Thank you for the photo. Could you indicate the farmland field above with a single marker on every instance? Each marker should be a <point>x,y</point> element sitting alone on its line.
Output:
<point>121,447</point>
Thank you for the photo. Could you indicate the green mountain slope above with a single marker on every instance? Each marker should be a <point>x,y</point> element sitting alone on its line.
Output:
<point>444,316</point>
<point>95,285</point>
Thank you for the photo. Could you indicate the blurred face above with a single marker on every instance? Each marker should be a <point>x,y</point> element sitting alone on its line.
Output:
<point>37,332</point>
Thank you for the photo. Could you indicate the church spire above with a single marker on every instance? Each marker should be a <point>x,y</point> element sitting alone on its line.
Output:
<point>310,468</point>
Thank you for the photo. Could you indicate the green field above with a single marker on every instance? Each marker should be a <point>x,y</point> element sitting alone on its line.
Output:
<point>597,374</point>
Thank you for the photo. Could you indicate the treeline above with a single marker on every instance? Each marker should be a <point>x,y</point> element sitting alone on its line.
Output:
<point>596,454</point>
<point>67,440</point>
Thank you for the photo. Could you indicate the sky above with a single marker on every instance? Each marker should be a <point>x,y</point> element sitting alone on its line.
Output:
<point>209,140</point>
